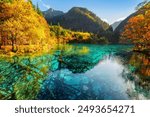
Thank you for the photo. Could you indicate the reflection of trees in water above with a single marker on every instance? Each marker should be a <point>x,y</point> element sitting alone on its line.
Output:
<point>56,86</point>
<point>79,59</point>
<point>27,78</point>
<point>142,64</point>
<point>138,77</point>
<point>77,63</point>
<point>22,78</point>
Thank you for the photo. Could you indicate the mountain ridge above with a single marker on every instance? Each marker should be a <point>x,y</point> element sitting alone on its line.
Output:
<point>50,13</point>
<point>120,27</point>
<point>116,24</point>
<point>79,19</point>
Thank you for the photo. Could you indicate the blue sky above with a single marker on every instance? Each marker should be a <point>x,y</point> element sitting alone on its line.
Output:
<point>108,10</point>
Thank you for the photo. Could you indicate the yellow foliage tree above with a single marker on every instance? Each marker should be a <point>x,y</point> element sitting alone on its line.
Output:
<point>138,28</point>
<point>22,25</point>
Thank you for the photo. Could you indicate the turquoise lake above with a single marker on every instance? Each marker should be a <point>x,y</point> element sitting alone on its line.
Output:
<point>77,72</point>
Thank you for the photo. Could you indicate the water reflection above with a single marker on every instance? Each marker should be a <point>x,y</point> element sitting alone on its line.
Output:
<point>77,72</point>
<point>141,62</point>
<point>138,75</point>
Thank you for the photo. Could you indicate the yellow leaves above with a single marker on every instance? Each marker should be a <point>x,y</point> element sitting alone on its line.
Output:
<point>147,13</point>
<point>138,28</point>
<point>23,24</point>
<point>64,35</point>
<point>6,11</point>
<point>84,50</point>
<point>136,19</point>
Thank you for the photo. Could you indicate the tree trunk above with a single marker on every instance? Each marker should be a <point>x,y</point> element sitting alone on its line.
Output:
<point>13,40</point>
<point>13,48</point>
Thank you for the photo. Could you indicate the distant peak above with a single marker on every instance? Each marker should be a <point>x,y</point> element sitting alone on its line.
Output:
<point>50,9</point>
<point>82,8</point>
<point>78,9</point>
<point>50,13</point>
<point>120,19</point>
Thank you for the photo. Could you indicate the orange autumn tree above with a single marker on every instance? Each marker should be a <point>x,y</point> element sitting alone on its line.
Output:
<point>21,25</point>
<point>137,29</point>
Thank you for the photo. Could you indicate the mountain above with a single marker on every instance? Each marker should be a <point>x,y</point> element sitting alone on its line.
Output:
<point>50,13</point>
<point>120,27</point>
<point>116,24</point>
<point>79,19</point>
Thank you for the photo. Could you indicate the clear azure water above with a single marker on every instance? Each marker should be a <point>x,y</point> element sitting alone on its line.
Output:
<point>73,72</point>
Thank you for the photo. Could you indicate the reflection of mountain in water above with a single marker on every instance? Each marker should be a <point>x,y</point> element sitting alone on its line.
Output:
<point>76,72</point>
<point>79,63</point>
